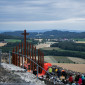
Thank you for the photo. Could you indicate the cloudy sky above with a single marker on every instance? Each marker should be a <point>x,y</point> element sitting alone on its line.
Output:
<point>42,14</point>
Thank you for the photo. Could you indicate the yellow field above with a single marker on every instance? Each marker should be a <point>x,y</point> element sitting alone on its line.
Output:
<point>2,44</point>
<point>77,60</point>
<point>39,40</point>
<point>73,67</point>
<point>43,45</point>
<point>80,41</point>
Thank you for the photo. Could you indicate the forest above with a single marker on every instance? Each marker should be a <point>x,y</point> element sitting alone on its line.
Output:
<point>54,34</point>
<point>68,45</point>
<point>67,48</point>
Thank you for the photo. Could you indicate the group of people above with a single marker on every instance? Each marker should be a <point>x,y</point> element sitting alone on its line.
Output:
<point>67,77</point>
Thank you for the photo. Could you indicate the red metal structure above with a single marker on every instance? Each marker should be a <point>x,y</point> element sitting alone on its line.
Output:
<point>29,50</point>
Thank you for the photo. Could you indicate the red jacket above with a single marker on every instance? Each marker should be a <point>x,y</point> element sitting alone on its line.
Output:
<point>70,79</point>
<point>80,81</point>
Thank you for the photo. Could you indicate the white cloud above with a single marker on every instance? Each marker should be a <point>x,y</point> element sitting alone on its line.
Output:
<point>73,20</point>
<point>37,2</point>
<point>70,24</point>
<point>42,13</point>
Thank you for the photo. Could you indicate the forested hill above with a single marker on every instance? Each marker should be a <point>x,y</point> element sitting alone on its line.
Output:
<point>49,34</point>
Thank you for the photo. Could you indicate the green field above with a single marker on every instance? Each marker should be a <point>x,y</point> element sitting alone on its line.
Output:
<point>57,59</point>
<point>51,48</point>
<point>29,41</point>
<point>59,49</point>
<point>80,39</point>
<point>12,40</point>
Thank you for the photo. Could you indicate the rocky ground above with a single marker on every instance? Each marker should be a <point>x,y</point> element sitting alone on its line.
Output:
<point>11,75</point>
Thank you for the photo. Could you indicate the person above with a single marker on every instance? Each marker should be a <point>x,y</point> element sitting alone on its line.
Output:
<point>73,83</point>
<point>70,79</point>
<point>35,72</point>
<point>74,75</point>
<point>64,73</point>
<point>83,82</point>
<point>50,70</point>
<point>62,78</point>
<point>59,73</point>
<point>56,71</point>
<point>80,80</point>
<point>77,78</point>
<point>82,77</point>
<point>77,83</point>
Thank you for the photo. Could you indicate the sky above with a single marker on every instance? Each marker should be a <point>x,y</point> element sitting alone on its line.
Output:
<point>42,15</point>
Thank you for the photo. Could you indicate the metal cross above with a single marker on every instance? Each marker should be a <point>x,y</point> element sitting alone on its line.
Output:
<point>25,41</point>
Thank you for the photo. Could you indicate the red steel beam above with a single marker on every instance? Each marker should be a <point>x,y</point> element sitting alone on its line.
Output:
<point>12,56</point>
<point>38,56</point>
<point>16,56</point>
<point>19,53</point>
<point>39,59</point>
<point>22,53</point>
<point>43,59</point>
<point>27,52</point>
<point>25,42</point>
<point>35,57</point>
<point>30,56</point>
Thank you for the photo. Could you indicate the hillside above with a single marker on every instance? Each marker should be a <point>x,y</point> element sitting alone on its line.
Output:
<point>49,34</point>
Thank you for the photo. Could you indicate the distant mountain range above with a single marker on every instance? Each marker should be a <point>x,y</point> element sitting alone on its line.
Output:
<point>48,34</point>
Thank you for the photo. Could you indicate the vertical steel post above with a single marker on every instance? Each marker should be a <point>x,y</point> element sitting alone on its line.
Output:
<point>38,56</point>
<point>12,56</point>
<point>16,56</point>
<point>37,71</point>
<point>23,62</point>
<point>35,57</point>
<point>0,57</point>
<point>25,42</point>
<point>40,62</point>
<point>43,59</point>
<point>9,58</point>
<point>27,52</point>
<point>19,53</point>
<point>39,59</point>
<point>22,53</point>
<point>30,56</point>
